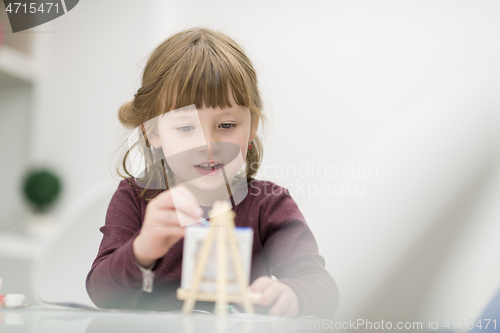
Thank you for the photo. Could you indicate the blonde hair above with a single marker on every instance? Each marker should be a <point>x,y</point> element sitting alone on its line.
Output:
<point>196,66</point>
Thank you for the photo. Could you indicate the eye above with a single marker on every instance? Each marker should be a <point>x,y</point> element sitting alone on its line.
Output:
<point>186,128</point>
<point>227,125</point>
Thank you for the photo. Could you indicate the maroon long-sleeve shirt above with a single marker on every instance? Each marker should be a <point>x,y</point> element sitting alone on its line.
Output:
<point>283,246</point>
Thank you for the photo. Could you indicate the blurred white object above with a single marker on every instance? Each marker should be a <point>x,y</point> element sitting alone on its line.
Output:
<point>38,224</point>
<point>13,318</point>
<point>60,269</point>
<point>14,300</point>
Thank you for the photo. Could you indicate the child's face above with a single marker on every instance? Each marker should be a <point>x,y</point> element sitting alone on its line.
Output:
<point>193,138</point>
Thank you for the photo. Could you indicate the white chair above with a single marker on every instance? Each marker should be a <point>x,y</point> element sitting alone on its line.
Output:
<point>60,269</point>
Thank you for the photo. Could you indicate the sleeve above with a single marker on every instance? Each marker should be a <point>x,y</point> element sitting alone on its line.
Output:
<point>292,252</point>
<point>115,279</point>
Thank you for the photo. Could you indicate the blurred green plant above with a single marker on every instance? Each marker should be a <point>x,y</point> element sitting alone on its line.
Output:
<point>41,189</point>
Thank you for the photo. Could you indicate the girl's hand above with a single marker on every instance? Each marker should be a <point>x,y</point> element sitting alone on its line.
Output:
<point>284,298</point>
<point>161,228</point>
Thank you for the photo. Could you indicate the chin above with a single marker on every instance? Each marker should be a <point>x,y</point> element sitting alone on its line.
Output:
<point>208,185</point>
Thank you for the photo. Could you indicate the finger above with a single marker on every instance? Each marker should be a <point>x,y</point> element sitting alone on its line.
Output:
<point>271,293</point>
<point>186,219</point>
<point>293,310</point>
<point>170,218</point>
<point>163,217</point>
<point>281,305</point>
<point>188,206</point>
<point>178,198</point>
<point>167,232</point>
<point>176,233</point>
<point>260,283</point>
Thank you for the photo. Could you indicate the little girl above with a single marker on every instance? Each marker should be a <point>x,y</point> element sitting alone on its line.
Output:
<point>199,110</point>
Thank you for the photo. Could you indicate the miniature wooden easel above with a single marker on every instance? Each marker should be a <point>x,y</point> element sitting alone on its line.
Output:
<point>221,226</point>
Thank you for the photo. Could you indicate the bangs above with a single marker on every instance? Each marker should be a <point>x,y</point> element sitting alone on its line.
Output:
<point>206,75</point>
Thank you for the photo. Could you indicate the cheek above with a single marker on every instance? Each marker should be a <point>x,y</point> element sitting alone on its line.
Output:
<point>243,143</point>
<point>244,150</point>
<point>241,139</point>
<point>172,145</point>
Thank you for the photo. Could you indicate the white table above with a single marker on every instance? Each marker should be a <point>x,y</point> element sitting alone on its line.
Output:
<point>54,320</point>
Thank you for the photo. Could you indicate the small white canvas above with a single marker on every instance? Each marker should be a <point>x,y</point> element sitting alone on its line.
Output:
<point>193,242</point>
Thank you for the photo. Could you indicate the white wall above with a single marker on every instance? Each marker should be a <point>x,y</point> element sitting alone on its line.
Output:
<point>92,59</point>
<point>407,88</point>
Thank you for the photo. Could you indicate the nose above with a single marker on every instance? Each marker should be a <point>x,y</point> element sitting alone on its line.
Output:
<point>212,141</point>
<point>215,146</point>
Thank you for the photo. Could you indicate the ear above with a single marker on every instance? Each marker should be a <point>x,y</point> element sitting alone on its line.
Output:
<point>254,128</point>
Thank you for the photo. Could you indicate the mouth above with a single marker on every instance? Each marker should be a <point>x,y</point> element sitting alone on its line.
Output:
<point>208,168</point>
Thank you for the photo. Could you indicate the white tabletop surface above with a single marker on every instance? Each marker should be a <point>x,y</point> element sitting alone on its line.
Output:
<point>54,320</point>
